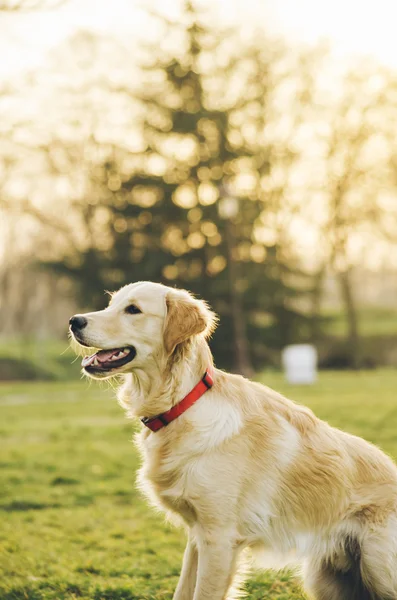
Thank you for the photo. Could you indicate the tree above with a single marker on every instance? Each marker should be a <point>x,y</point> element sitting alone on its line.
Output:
<point>355,174</point>
<point>153,214</point>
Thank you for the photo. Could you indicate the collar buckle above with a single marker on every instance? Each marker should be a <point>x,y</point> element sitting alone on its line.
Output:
<point>207,380</point>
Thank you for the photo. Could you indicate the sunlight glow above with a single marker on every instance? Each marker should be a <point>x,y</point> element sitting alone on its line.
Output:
<point>353,27</point>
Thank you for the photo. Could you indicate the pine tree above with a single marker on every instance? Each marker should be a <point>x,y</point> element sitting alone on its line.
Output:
<point>163,221</point>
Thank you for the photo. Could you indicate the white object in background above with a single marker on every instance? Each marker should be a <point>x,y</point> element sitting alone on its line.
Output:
<point>300,363</point>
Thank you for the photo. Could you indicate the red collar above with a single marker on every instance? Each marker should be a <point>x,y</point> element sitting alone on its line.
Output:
<point>156,423</point>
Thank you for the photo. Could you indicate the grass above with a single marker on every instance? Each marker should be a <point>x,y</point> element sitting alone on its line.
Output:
<point>373,321</point>
<point>72,525</point>
<point>45,359</point>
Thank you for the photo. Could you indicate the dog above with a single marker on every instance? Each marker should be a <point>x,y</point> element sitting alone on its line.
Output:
<point>237,464</point>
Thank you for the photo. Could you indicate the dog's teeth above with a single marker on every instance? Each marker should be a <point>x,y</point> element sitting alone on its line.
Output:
<point>126,350</point>
<point>95,363</point>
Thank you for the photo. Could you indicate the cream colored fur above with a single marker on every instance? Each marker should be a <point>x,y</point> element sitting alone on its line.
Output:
<point>245,468</point>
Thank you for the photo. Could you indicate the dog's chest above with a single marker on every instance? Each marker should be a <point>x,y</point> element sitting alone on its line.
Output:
<point>164,478</point>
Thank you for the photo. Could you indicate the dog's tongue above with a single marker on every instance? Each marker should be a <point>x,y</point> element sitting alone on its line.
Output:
<point>105,355</point>
<point>102,356</point>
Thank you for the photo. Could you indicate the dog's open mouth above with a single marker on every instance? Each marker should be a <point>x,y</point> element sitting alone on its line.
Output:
<point>108,360</point>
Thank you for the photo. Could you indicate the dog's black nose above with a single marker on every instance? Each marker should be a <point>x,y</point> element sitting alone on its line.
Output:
<point>77,323</point>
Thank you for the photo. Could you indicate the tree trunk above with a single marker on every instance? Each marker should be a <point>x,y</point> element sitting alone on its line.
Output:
<point>241,353</point>
<point>316,298</point>
<point>353,337</point>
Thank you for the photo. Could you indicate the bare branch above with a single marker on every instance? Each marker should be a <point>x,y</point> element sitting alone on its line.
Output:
<point>28,5</point>
<point>47,221</point>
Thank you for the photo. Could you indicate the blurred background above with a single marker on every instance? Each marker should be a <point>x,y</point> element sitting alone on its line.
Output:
<point>243,149</point>
<point>246,151</point>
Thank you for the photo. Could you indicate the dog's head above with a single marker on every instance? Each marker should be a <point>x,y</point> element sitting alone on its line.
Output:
<point>143,320</point>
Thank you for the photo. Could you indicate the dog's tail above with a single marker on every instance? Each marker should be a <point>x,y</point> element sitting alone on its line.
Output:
<point>363,571</point>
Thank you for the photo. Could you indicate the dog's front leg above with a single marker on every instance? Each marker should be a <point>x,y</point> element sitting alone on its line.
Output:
<point>216,567</point>
<point>187,579</point>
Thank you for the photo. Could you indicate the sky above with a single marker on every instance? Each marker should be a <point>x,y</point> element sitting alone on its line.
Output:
<point>352,26</point>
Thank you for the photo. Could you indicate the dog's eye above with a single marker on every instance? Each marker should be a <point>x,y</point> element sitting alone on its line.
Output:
<point>132,310</point>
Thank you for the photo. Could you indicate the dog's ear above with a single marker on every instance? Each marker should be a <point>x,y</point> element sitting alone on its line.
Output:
<point>186,317</point>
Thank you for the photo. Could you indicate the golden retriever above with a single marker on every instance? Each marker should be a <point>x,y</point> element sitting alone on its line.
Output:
<point>243,467</point>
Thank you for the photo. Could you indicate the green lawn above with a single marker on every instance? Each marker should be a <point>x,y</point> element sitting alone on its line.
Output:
<point>48,359</point>
<point>72,525</point>
<point>373,321</point>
